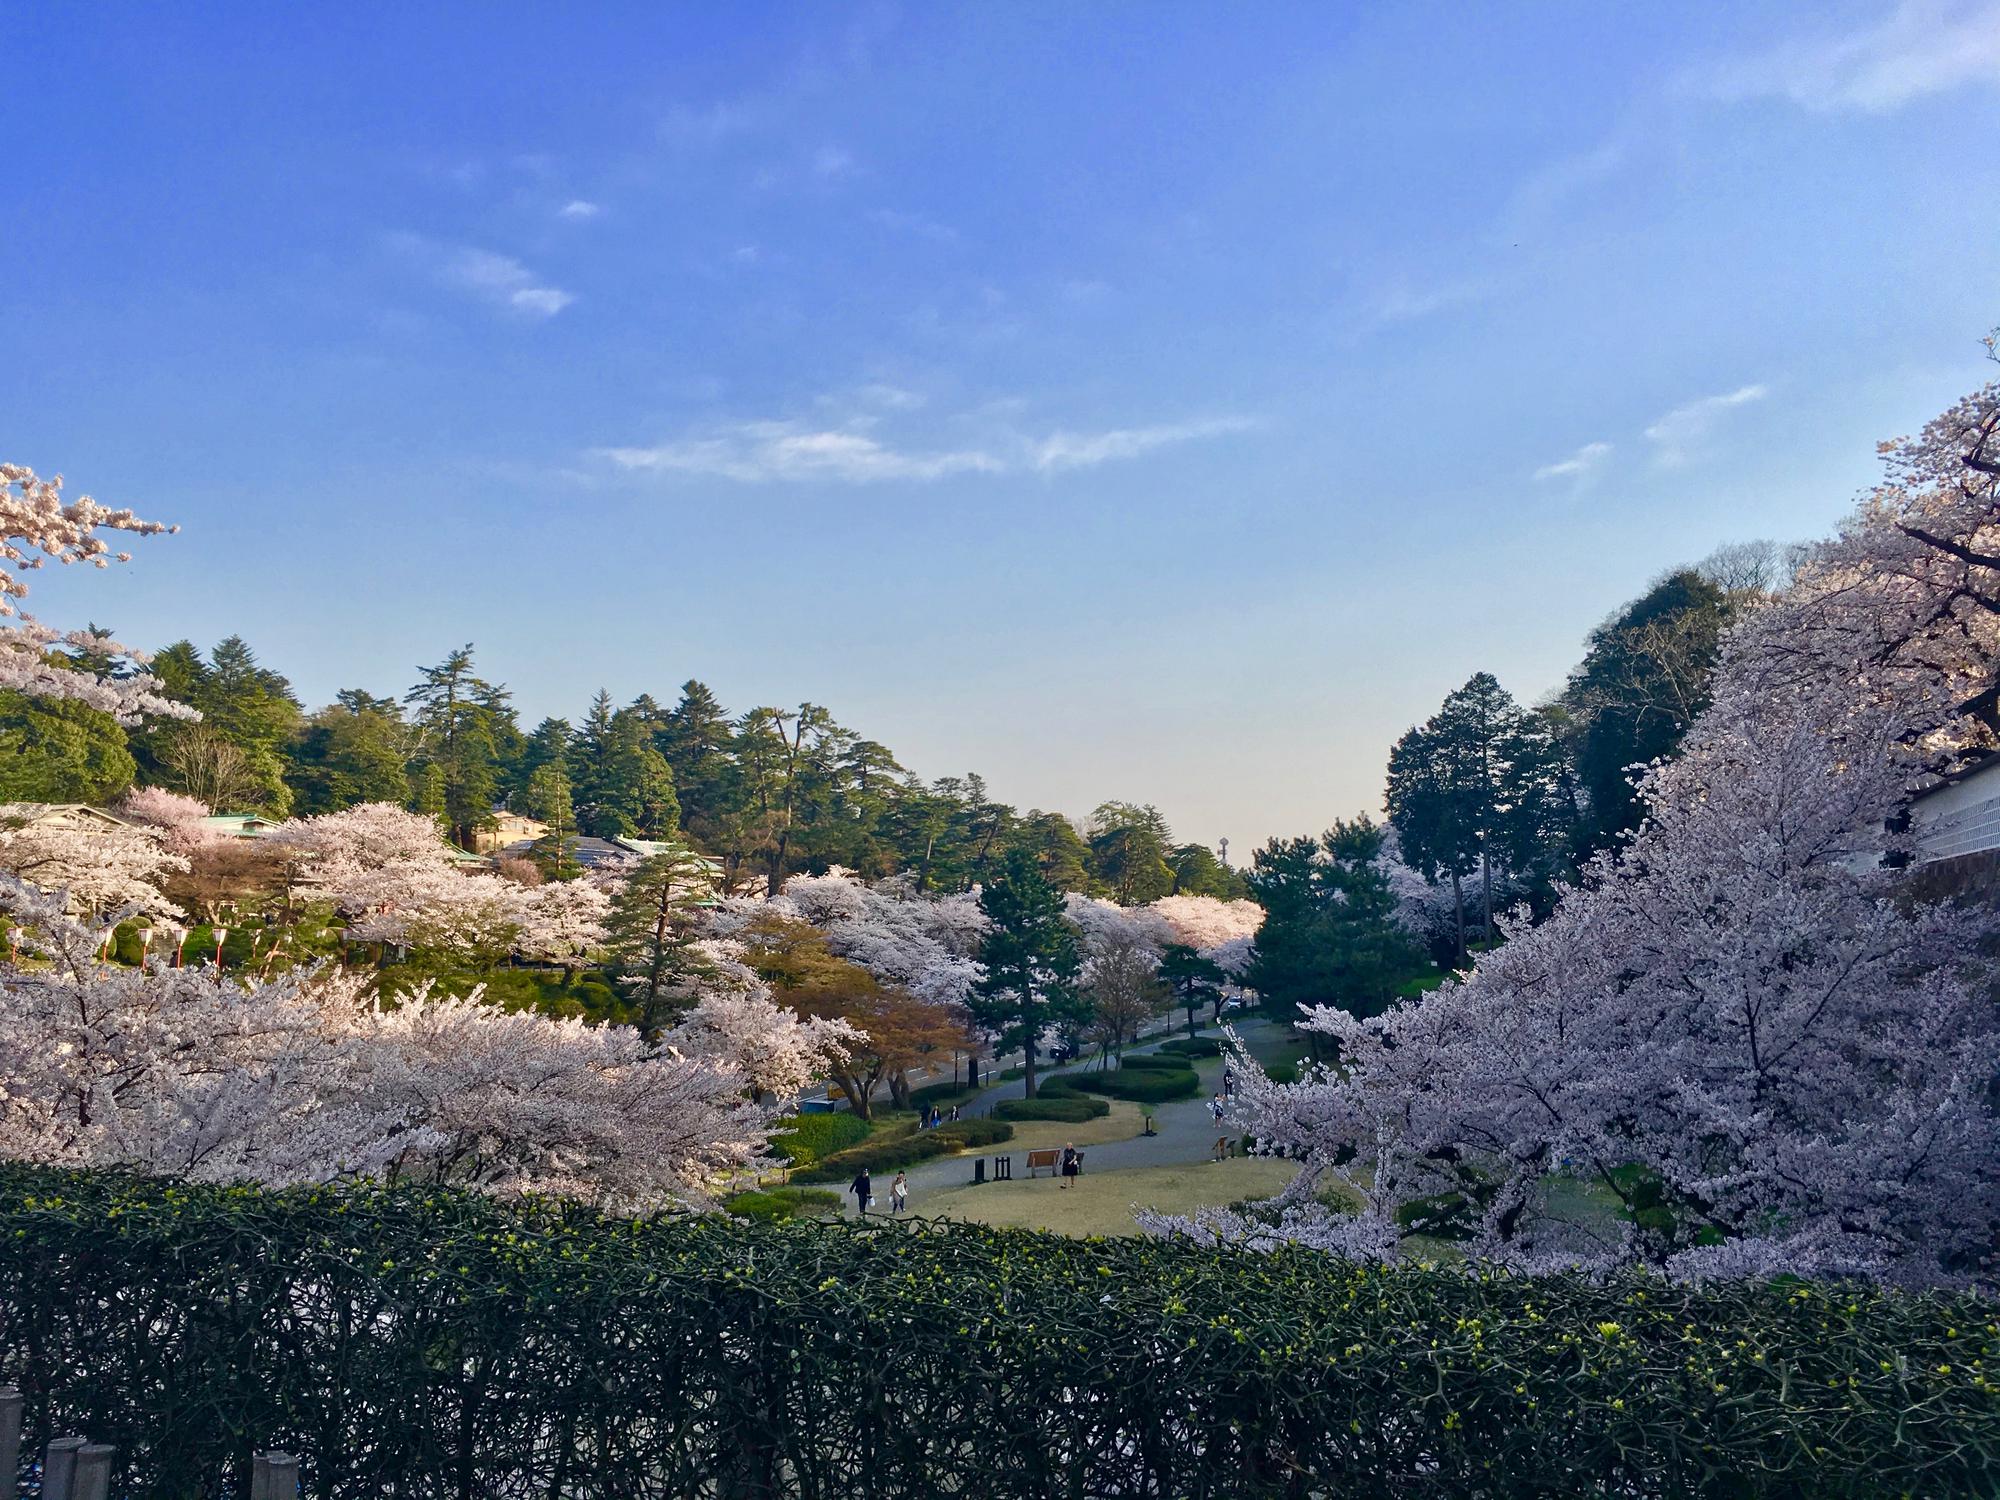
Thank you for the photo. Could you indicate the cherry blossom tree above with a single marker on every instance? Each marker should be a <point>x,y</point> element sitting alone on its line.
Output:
<point>102,866</point>
<point>562,922</point>
<point>304,1077</point>
<point>37,524</point>
<point>1739,1026</point>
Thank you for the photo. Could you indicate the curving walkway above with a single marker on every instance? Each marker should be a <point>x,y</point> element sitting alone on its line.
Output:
<point>1187,1131</point>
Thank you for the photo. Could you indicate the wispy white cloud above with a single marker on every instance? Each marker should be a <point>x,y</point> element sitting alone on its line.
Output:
<point>1403,302</point>
<point>1677,435</point>
<point>777,452</point>
<point>504,280</point>
<point>1579,466</point>
<point>780,452</point>
<point>499,280</point>
<point>1086,450</point>
<point>579,208</point>
<point>1543,195</point>
<point>1921,48</point>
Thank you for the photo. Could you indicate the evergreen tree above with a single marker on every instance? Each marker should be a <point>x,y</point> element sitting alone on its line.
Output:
<point>695,737</point>
<point>652,935</point>
<point>456,716</point>
<point>1330,934</point>
<point>347,754</point>
<point>1128,852</point>
<point>1031,960</point>
<point>60,750</point>
<point>1059,853</point>
<point>1643,678</point>
<point>1195,981</point>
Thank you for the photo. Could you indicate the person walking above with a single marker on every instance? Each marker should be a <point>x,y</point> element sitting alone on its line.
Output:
<point>863,1188</point>
<point>1215,1108</point>
<point>1228,1083</point>
<point>899,1193</point>
<point>1072,1163</point>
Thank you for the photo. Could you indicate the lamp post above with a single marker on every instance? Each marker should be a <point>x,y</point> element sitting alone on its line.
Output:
<point>221,935</point>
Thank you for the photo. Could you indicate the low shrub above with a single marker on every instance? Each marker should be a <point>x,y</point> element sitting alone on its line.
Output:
<point>943,1095</point>
<point>976,1132</point>
<point>1194,1046</point>
<point>429,1342</point>
<point>879,1154</point>
<point>788,1202</point>
<point>1142,1085</point>
<point>1153,1062</point>
<point>804,1139</point>
<point>1069,1107</point>
<point>1282,1072</point>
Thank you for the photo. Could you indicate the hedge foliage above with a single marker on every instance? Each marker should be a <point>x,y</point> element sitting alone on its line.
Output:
<point>1194,1046</point>
<point>905,1147</point>
<point>1145,1085</point>
<point>783,1202</point>
<point>807,1138</point>
<point>1072,1109</point>
<point>1154,1062</point>
<point>441,1344</point>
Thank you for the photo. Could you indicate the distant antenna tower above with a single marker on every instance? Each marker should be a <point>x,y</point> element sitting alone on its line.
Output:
<point>1224,845</point>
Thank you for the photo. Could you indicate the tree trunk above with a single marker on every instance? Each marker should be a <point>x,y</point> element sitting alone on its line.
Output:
<point>1028,1067</point>
<point>1486,890</point>
<point>1458,906</point>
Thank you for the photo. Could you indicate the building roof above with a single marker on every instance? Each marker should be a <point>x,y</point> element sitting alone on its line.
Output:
<point>242,825</point>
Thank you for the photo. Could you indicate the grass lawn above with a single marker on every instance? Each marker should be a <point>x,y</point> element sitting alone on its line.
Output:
<point>1102,1202</point>
<point>1121,1124</point>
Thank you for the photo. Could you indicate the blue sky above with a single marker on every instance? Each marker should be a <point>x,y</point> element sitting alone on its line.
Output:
<point>1157,401</point>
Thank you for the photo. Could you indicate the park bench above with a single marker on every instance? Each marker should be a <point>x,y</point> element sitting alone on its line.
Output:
<point>1050,1158</point>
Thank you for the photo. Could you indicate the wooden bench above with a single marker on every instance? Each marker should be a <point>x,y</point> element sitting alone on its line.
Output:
<point>1051,1158</point>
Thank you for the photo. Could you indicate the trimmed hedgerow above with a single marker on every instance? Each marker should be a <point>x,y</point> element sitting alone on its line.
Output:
<point>783,1202</point>
<point>437,1343</point>
<point>977,1132</point>
<point>1068,1107</point>
<point>1153,1062</point>
<point>806,1138</point>
<point>1194,1046</point>
<point>905,1148</point>
<point>943,1095</point>
<point>1144,1085</point>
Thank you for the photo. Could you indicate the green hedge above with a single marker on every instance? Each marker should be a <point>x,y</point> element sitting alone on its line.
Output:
<point>807,1138</point>
<point>783,1203</point>
<point>905,1148</point>
<point>1070,1108</point>
<point>943,1095</point>
<point>977,1132</point>
<point>440,1344</point>
<point>1194,1046</point>
<point>1144,1085</point>
<point>1153,1062</point>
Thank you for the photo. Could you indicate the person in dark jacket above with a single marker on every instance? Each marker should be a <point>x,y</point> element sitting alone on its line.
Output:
<point>1072,1163</point>
<point>862,1188</point>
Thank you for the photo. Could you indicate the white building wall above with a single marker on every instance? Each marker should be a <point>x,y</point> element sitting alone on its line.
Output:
<point>1961,817</point>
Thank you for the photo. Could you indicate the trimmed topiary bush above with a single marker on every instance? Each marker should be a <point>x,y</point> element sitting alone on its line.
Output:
<point>976,1132</point>
<point>1143,1085</point>
<point>1194,1046</point>
<point>1070,1107</point>
<point>807,1138</point>
<point>1153,1062</point>
<point>784,1203</point>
